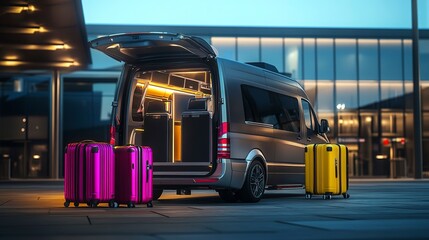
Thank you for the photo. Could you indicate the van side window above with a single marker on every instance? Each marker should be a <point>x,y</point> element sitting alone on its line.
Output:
<point>289,115</point>
<point>259,105</point>
<point>310,121</point>
<point>137,108</point>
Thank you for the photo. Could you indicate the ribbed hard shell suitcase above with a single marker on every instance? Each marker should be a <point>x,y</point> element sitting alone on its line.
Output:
<point>326,170</point>
<point>89,174</point>
<point>134,174</point>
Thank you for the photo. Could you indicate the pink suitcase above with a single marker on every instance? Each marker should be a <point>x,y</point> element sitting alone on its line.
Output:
<point>134,172</point>
<point>89,174</point>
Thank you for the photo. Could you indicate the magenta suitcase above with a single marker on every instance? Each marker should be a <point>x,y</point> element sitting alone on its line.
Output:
<point>134,172</point>
<point>89,174</point>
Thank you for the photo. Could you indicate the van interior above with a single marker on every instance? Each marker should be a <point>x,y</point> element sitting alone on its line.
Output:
<point>175,108</point>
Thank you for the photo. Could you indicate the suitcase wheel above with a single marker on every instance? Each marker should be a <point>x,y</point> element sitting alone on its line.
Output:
<point>346,195</point>
<point>66,203</point>
<point>327,196</point>
<point>113,204</point>
<point>131,205</point>
<point>308,196</point>
<point>76,204</point>
<point>149,204</point>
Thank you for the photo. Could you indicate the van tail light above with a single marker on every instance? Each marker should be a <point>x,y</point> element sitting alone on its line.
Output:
<point>223,143</point>
<point>112,135</point>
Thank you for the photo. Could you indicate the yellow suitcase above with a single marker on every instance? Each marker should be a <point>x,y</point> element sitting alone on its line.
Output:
<point>326,170</point>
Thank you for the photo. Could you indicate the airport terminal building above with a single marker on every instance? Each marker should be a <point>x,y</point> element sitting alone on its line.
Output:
<point>358,79</point>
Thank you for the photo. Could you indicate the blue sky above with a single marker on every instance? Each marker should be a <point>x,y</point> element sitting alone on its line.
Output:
<point>257,13</point>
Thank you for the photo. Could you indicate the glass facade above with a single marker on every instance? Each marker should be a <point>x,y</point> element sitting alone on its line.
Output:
<point>362,86</point>
<point>24,123</point>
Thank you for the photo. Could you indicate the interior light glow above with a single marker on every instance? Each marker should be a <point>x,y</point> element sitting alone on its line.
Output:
<point>15,63</point>
<point>368,119</point>
<point>49,47</point>
<point>23,30</point>
<point>18,8</point>
<point>381,157</point>
<point>36,156</point>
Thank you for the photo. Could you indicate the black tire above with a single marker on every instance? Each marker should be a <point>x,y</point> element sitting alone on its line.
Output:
<point>228,196</point>
<point>76,204</point>
<point>157,192</point>
<point>66,203</point>
<point>149,204</point>
<point>130,205</point>
<point>254,185</point>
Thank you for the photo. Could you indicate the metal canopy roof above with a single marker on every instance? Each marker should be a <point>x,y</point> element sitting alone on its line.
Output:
<point>42,35</point>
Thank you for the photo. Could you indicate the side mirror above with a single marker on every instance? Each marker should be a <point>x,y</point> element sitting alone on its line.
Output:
<point>324,126</point>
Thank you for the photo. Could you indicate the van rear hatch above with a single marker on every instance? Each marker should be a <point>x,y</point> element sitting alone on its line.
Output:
<point>136,47</point>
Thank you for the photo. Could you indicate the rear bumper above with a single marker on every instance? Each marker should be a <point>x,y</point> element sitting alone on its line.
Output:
<point>228,174</point>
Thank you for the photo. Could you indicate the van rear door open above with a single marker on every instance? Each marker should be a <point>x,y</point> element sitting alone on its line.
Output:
<point>136,47</point>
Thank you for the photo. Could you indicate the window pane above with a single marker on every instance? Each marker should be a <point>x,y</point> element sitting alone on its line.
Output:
<point>347,94</point>
<point>368,94</point>
<point>368,59</point>
<point>248,49</point>
<point>225,47</point>
<point>293,57</point>
<point>259,105</point>
<point>325,59</point>
<point>424,59</point>
<point>310,121</point>
<point>392,94</point>
<point>408,60</point>
<point>390,59</point>
<point>272,52</point>
<point>289,117</point>
<point>348,124</point>
<point>325,96</point>
<point>309,58</point>
<point>425,95</point>
<point>345,59</point>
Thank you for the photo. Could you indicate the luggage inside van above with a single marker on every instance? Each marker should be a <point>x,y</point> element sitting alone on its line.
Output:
<point>196,131</point>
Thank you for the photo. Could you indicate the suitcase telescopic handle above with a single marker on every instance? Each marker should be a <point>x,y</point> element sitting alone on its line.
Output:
<point>133,135</point>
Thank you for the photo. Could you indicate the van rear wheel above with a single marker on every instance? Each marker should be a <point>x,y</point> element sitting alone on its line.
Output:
<point>228,196</point>
<point>254,185</point>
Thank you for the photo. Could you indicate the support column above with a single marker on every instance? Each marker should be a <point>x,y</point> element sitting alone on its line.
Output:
<point>55,128</point>
<point>418,154</point>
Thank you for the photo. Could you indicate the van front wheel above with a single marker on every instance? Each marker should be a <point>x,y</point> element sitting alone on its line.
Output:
<point>254,185</point>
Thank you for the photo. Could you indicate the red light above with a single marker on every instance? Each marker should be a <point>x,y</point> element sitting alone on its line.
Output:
<point>206,180</point>
<point>223,143</point>
<point>386,142</point>
<point>112,135</point>
<point>402,141</point>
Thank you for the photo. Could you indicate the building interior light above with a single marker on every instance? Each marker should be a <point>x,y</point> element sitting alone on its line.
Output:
<point>23,30</point>
<point>16,63</point>
<point>49,47</point>
<point>368,119</point>
<point>18,8</point>
<point>36,156</point>
<point>381,157</point>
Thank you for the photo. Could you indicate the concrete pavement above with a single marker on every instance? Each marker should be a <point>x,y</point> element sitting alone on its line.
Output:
<point>376,210</point>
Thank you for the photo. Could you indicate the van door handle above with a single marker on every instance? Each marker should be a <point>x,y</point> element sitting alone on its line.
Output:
<point>309,139</point>
<point>299,138</point>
